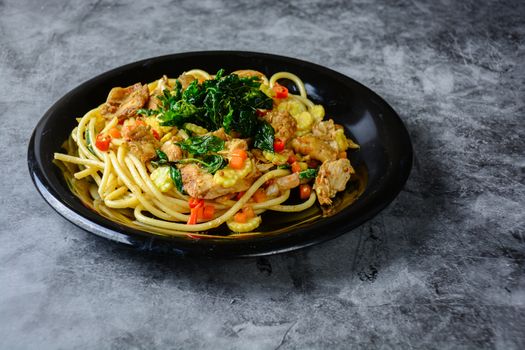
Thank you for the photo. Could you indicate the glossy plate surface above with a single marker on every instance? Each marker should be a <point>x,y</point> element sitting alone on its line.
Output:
<point>385,156</point>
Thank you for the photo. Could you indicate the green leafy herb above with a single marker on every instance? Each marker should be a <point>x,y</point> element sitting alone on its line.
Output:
<point>88,142</point>
<point>308,174</point>
<point>176,177</point>
<point>181,112</point>
<point>198,145</point>
<point>162,158</point>
<point>284,166</point>
<point>211,162</point>
<point>227,101</point>
<point>161,155</point>
<point>214,162</point>
<point>264,136</point>
<point>147,112</point>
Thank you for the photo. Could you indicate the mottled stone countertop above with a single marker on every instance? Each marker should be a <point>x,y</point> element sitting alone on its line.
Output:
<point>442,267</point>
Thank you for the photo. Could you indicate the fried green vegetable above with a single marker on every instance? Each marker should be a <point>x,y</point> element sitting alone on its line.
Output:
<point>227,101</point>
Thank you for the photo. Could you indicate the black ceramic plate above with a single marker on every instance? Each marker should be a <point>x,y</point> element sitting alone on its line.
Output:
<point>385,154</point>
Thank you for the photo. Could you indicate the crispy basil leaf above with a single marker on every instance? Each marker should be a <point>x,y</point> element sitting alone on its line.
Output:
<point>176,177</point>
<point>308,174</point>
<point>264,136</point>
<point>199,145</point>
<point>227,101</point>
<point>161,159</point>
<point>214,162</point>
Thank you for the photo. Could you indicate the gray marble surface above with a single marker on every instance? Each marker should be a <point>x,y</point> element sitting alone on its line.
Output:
<point>442,267</point>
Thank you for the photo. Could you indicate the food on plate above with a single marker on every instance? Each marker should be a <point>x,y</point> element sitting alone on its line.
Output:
<point>183,156</point>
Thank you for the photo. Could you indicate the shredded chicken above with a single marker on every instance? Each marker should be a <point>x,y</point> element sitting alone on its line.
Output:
<point>198,183</point>
<point>332,178</point>
<point>315,147</point>
<point>325,130</point>
<point>185,80</point>
<point>124,102</point>
<point>141,142</point>
<point>172,150</point>
<point>220,133</point>
<point>283,123</point>
<point>259,156</point>
<point>263,167</point>
<point>287,182</point>
<point>162,84</point>
<point>234,144</point>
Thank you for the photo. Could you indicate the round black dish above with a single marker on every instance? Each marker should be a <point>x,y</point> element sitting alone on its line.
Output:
<point>385,151</point>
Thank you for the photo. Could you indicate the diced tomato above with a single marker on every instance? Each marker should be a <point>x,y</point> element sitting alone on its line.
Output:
<point>304,191</point>
<point>193,216</point>
<point>239,195</point>
<point>236,163</point>
<point>200,212</point>
<point>259,196</point>
<point>115,132</point>
<point>156,134</point>
<point>280,91</point>
<point>240,217</point>
<point>292,159</point>
<point>249,212</point>
<point>140,122</point>
<point>278,145</point>
<point>312,163</point>
<point>208,212</point>
<point>296,167</point>
<point>195,202</point>
<point>240,153</point>
<point>102,142</point>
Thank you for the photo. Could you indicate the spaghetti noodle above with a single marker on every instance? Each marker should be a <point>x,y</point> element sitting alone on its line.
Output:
<point>182,156</point>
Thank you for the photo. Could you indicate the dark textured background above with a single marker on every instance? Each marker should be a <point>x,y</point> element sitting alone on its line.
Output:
<point>442,267</point>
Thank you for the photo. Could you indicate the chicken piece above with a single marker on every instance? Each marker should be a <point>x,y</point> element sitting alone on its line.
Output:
<point>241,185</point>
<point>283,123</point>
<point>141,142</point>
<point>162,85</point>
<point>332,178</point>
<point>325,130</point>
<point>315,147</point>
<point>287,182</point>
<point>124,102</point>
<point>234,144</point>
<point>172,150</point>
<point>185,80</point>
<point>334,134</point>
<point>198,183</point>
<point>220,133</point>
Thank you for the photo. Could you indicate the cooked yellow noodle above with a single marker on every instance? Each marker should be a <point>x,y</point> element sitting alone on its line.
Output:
<point>86,172</point>
<point>123,190</point>
<point>298,207</point>
<point>286,75</point>
<point>77,160</point>
<point>217,221</point>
